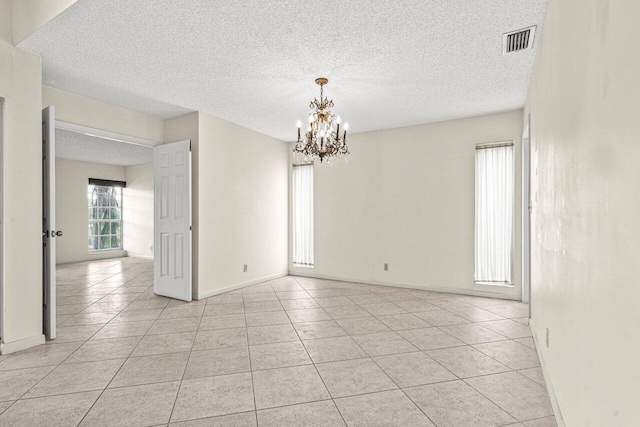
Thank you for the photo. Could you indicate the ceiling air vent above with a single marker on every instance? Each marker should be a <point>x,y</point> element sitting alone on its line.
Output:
<point>518,40</point>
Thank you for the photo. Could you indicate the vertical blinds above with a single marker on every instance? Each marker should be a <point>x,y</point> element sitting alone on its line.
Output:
<point>303,215</point>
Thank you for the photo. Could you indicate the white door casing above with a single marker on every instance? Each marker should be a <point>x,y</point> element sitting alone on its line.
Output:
<point>526,212</point>
<point>172,220</point>
<point>49,232</point>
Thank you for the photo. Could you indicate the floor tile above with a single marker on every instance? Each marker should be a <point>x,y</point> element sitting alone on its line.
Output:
<point>308,315</point>
<point>509,310</point>
<point>521,397</point>
<point>183,311</point>
<point>351,377</point>
<point>259,296</point>
<point>383,309</point>
<point>151,369</point>
<point>76,333</point>
<point>541,422</point>
<point>17,382</point>
<point>510,353</point>
<point>88,319</point>
<point>508,328</point>
<point>5,405</point>
<point>333,349</point>
<point>430,338</point>
<point>121,330</point>
<point>262,306</point>
<point>526,341</point>
<point>412,369</point>
<point>244,419</point>
<point>475,314</point>
<point>456,404</point>
<point>367,299</point>
<point>383,343</point>
<point>466,361</point>
<point>221,361</point>
<point>271,334</point>
<point>334,301</point>
<point>228,298</point>
<point>137,314</point>
<point>278,355</point>
<point>211,396</point>
<point>321,329</point>
<point>289,295</point>
<point>346,311</point>
<point>222,321</point>
<point>388,408</point>
<point>168,343</point>
<point>472,333</point>
<point>441,318</point>
<point>534,374</point>
<point>267,318</point>
<point>218,309</point>
<point>77,377</point>
<point>398,322</point>
<point>219,338</point>
<point>288,386</point>
<point>63,410</point>
<point>149,405</point>
<point>171,326</point>
<point>362,325</point>
<point>110,348</point>
<point>299,304</point>
<point>42,355</point>
<point>323,413</point>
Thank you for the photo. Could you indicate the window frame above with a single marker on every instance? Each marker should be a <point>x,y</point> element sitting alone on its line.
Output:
<point>511,282</point>
<point>297,263</point>
<point>95,223</point>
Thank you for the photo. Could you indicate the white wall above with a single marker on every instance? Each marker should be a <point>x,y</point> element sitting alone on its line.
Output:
<point>406,198</point>
<point>30,15</point>
<point>21,88</point>
<point>137,215</point>
<point>72,179</point>
<point>242,206</point>
<point>584,100</point>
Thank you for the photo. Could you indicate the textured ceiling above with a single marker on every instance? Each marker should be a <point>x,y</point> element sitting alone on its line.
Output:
<point>77,146</point>
<point>390,62</point>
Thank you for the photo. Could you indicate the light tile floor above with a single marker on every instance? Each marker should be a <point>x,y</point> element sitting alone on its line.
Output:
<point>290,352</point>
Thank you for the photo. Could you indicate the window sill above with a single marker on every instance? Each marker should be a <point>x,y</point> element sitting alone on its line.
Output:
<point>303,265</point>
<point>500,284</point>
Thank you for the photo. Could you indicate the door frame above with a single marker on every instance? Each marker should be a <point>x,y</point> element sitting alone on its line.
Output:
<point>526,212</point>
<point>1,220</point>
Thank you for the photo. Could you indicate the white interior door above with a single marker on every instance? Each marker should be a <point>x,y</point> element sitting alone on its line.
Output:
<point>172,225</point>
<point>49,232</point>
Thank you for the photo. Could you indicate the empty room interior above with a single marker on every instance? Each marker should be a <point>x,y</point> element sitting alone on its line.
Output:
<point>286,213</point>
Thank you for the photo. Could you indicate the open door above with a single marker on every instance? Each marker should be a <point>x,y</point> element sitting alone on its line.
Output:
<point>172,225</point>
<point>49,232</point>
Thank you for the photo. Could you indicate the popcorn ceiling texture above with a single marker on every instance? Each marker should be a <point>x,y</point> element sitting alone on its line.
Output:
<point>390,63</point>
<point>77,146</point>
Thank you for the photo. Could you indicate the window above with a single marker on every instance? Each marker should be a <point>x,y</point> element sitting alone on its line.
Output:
<point>495,190</point>
<point>105,214</point>
<point>303,215</point>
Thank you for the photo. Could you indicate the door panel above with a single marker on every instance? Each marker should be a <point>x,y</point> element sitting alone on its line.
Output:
<point>172,237</point>
<point>49,232</point>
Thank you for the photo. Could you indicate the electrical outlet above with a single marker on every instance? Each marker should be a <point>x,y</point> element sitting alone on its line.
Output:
<point>386,267</point>
<point>547,338</point>
<point>245,268</point>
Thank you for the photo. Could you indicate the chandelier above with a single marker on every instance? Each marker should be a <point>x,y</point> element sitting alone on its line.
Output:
<point>322,139</point>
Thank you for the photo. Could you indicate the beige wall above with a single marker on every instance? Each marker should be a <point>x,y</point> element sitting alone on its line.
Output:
<point>406,197</point>
<point>21,89</point>
<point>85,111</point>
<point>137,212</point>
<point>584,100</point>
<point>72,179</point>
<point>242,206</point>
<point>6,21</point>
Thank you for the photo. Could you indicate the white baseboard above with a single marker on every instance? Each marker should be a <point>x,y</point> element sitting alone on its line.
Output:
<point>202,295</point>
<point>547,379</point>
<point>132,255</point>
<point>460,291</point>
<point>12,347</point>
<point>93,256</point>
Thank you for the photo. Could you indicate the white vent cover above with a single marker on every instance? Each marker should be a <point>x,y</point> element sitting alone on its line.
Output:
<point>518,40</point>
